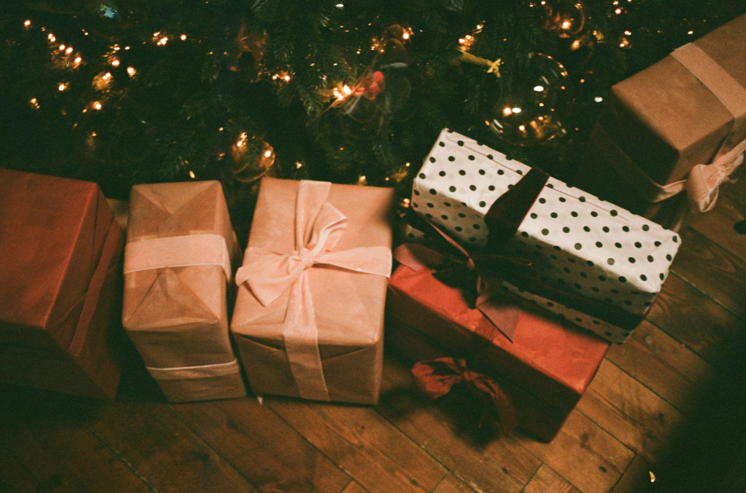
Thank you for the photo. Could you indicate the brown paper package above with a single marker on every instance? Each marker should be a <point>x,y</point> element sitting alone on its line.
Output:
<point>667,121</point>
<point>60,252</point>
<point>177,316</point>
<point>350,321</point>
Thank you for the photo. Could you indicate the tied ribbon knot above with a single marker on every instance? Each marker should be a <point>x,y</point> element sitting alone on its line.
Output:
<point>436,378</point>
<point>318,228</point>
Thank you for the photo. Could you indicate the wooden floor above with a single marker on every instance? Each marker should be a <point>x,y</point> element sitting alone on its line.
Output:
<point>666,412</point>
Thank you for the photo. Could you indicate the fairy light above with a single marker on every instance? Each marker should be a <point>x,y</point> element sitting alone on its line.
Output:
<point>618,11</point>
<point>27,23</point>
<point>628,33</point>
<point>93,134</point>
<point>126,48</point>
<point>183,37</point>
<point>192,175</point>
<point>62,86</point>
<point>115,62</point>
<point>34,103</point>
<point>298,165</point>
<point>69,50</point>
<point>62,47</point>
<point>107,76</point>
<point>268,153</point>
<point>117,48</point>
<point>507,111</point>
<point>598,99</point>
<point>51,37</point>
<point>97,105</point>
<point>78,60</point>
<point>131,71</point>
<point>362,180</point>
<point>408,165</point>
<point>690,33</point>
<point>163,41</point>
<point>242,138</point>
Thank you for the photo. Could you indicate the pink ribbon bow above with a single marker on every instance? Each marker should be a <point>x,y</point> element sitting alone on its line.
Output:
<point>318,228</point>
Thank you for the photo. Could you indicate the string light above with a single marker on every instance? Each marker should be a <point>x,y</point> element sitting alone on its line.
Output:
<point>126,48</point>
<point>192,175</point>
<point>62,86</point>
<point>342,93</point>
<point>362,180</point>
<point>51,37</point>
<point>107,76</point>
<point>131,71</point>
<point>115,62</point>
<point>116,48</point>
<point>183,37</point>
<point>34,103</point>
<point>78,60</point>
<point>298,164</point>
<point>598,99</point>
<point>27,23</point>
<point>242,139</point>
<point>69,50</point>
<point>97,105</point>
<point>690,33</point>
<point>268,153</point>
<point>62,47</point>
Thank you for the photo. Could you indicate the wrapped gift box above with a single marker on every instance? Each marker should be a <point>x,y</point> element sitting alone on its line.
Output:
<point>308,319</point>
<point>648,139</point>
<point>60,252</point>
<point>576,242</point>
<point>179,260</point>
<point>544,370</point>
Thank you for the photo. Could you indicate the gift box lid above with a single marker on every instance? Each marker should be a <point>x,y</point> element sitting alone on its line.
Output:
<point>348,306</point>
<point>52,233</point>
<point>665,118</point>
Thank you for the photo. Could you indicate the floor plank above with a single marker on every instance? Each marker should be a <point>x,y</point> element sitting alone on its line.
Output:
<point>362,443</point>
<point>713,270</point>
<point>718,224</point>
<point>583,453</point>
<point>633,414</point>
<point>638,479</point>
<point>663,365</point>
<point>452,484</point>
<point>691,317</point>
<point>483,462</point>
<point>354,487</point>
<point>162,449</point>
<point>548,481</point>
<point>262,447</point>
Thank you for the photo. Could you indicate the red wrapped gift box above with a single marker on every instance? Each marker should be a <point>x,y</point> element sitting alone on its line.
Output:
<point>544,370</point>
<point>60,249</point>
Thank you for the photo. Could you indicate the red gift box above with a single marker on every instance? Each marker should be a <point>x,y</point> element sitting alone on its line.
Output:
<point>60,249</point>
<point>544,370</point>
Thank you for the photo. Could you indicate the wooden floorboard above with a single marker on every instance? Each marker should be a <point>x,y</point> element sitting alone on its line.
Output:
<point>650,401</point>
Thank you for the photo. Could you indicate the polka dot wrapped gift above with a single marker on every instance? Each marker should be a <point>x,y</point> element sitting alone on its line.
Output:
<point>576,242</point>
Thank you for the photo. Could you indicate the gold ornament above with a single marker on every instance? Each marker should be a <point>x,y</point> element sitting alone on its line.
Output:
<point>537,104</point>
<point>565,18</point>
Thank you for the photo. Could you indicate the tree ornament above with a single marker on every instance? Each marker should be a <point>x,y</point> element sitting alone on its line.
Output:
<point>536,106</point>
<point>248,167</point>
<point>564,18</point>
<point>247,41</point>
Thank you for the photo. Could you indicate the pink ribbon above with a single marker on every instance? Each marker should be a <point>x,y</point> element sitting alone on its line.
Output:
<point>318,228</point>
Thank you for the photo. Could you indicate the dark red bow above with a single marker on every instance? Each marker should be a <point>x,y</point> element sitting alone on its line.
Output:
<point>437,377</point>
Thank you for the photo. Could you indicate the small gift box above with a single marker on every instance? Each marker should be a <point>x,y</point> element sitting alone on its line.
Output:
<point>308,320</point>
<point>179,259</point>
<point>662,152</point>
<point>534,379</point>
<point>592,262</point>
<point>60,252</point>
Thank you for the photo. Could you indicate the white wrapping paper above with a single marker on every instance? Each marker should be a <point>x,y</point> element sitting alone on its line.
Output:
<point>575,241</point>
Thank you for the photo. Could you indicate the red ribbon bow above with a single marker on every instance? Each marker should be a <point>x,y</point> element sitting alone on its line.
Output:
<point>437,377</point>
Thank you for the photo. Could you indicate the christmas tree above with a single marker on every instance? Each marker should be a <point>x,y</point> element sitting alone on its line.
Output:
<point>351,91</point>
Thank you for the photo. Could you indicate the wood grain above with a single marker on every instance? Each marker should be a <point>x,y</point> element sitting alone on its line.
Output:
<point>692,318</point>
<point>637,478</point>
<point>452,484</point>
<point>485,463</point>
<point>597,459</point>
<point>713,270</point>
<point>548,481</point>
<point>162,449</point>
<point>354,487</point>
<point>663,365</point>
<point>363,444</point>
<point>718,224</point>
<point>630,412</point>
<point>262,446</point>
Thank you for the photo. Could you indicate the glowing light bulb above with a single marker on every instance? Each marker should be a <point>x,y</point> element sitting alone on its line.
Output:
<point>618,11</point>
<point>286,78</point>
<point>62,86</point>
<point>522,128</point>
<point>517,110</point>
<point>78,60</point>
<point>107,76</point>
<point>62,47</point>
<point>126,48</point>
<point>115,62</point>
<point>51,37</point>
<point>163,41</point>
<point>538,88</point>
<point>131,71</point>
<point>298,165</point>
<point>27,23</point>
<point>34,103</point>
<point>192,175</point>
<point>346,89</point>
<point>97,105</point>
<point>507,111</point>
<point>566,25</point>
<point>69,50</point>
<point>267,153</point>
<point>405,35</point>
<point>598,99</point>
<point>183,37</point>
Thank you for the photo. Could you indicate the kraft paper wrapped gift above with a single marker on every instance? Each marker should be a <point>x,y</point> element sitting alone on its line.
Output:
<point>308,320</point>
<point>60,254</point>
<point>578,244</point>
<point>542,372</point>
<point>671,134</point>
<point>178,264</point>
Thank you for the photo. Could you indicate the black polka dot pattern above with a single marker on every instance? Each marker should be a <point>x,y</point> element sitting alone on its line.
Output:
<point>565,229</point>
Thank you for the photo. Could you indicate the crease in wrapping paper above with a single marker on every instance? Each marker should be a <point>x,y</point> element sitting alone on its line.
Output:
<point>177,265</point>
<point>348,306</point>
<point>704,180</point>
<point>318,228</point>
